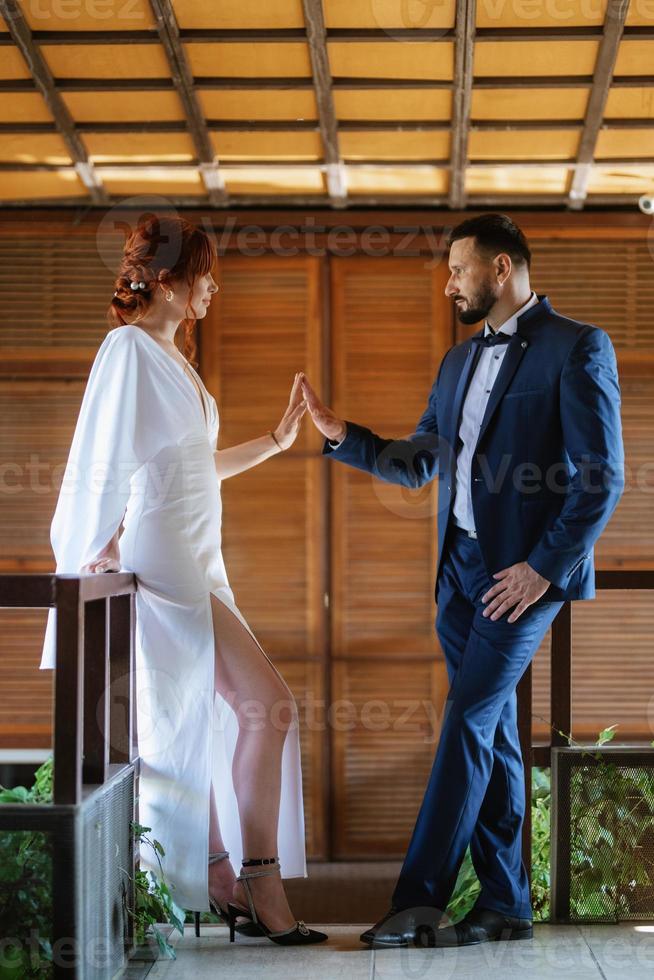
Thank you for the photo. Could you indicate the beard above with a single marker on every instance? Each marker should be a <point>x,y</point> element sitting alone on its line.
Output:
<point>479,305</point>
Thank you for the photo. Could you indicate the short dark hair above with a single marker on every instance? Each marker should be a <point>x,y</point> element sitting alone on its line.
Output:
<point>494,233</point>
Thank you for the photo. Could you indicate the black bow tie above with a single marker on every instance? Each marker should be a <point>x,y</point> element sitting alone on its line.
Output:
<point>492,339</point>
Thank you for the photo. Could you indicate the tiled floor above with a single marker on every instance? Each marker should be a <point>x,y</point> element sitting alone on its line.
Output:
<point>624,952</point>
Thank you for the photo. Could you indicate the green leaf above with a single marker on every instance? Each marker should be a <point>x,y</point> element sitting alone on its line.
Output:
<point>19,794</point>
<point>606,735</point>
<point>165,948</point>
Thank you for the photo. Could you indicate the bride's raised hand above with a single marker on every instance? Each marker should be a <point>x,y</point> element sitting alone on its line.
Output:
<point>287,430</point>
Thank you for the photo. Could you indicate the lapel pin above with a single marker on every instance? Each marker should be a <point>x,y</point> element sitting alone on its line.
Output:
<point>524,345</point>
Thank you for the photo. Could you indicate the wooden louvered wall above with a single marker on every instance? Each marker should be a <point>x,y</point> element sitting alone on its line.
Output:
<point>334,572</point>
<point>265,327</point>
<point>611,283</point>
<point>55,290</point>
<point>391,326</point>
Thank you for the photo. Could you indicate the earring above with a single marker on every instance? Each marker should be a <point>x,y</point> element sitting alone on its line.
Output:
<point>169,295</point>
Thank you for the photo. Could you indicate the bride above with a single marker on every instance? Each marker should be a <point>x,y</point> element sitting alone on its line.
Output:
<point>143,460</point>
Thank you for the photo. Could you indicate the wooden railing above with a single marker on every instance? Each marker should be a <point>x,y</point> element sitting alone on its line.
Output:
<point>94,699</point>
<point>560,690</point>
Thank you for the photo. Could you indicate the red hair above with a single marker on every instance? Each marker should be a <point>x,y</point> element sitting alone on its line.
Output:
<point>161,250</point>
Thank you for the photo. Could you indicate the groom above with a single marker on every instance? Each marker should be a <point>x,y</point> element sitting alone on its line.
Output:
<point>522,430</point>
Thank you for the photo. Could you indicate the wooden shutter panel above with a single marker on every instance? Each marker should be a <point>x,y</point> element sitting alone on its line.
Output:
<point>37,420</point>
<point>609,283</point>
<point>264,328</point>
<point>391,327</point>
<point>55,288</point>
<point>26,692</point>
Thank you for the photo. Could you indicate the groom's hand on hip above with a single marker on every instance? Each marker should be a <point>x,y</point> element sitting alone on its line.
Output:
<point>323,418</point>
<point>520,585</point>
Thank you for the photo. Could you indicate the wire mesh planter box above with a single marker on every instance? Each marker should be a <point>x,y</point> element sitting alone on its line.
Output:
<point>602,849</point>
<point>82,884</point>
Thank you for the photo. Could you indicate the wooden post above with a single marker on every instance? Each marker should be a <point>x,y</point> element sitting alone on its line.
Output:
<point>69,692</point>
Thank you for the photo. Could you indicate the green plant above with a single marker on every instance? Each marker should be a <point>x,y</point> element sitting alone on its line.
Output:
<point>540,843</point>
<point>26,888</point>
<point>153,901</point>
<point>611,836</point>
<point>467,884</point>
<point>612,832</point>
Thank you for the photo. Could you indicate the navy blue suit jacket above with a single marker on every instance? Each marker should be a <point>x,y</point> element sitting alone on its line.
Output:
<point>548,466</point>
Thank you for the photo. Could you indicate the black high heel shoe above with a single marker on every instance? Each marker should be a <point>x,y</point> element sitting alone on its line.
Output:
<point>245,928</point>
<point>297,935</point>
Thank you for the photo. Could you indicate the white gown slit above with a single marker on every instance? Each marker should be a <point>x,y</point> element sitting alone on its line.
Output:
<point>143,447</point>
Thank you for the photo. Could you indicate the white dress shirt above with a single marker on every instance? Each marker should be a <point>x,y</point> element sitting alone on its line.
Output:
<point>474,407</point>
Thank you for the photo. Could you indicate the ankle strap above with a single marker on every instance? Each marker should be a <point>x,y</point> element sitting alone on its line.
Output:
<point>255,862</point>
<point>218,856</point>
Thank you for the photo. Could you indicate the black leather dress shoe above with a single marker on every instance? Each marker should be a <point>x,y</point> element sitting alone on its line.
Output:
<point>404,927</point>
<point>483,926</point>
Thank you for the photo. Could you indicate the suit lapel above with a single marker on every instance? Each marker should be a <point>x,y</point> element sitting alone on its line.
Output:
<point>514,354</point>
<point>472,357</point>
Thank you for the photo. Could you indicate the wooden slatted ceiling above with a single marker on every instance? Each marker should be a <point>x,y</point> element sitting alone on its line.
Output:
<point>535,58</point>
<point>136,15</point>
<point>575,13</point>
<point>106,61</point>
<point>386,56</point>
<point>375,59</point>
<point>235,14</point>
<point>389,14</point>
<point>249,60</point>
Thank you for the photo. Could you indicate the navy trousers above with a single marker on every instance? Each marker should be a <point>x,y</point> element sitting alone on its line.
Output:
<point>475,795</point>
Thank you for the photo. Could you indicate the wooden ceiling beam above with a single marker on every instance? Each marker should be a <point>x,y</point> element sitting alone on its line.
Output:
<point>302,84</point>
<point>322,79</point>
<point>461,99</point>
<point>320,204</point>
<point>536,222</point>
<point>21,35</point>
<point>230,83</point>
<point>378,163</point>
<point>356,35</point>
<point>616,14</point>
<point>168,31</point>
<point>309,125</point>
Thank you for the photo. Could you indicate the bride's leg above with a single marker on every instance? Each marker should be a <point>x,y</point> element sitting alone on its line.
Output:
<point>221,873</point>
<point>265,710</point>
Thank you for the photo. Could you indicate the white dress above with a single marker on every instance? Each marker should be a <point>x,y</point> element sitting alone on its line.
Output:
<point>142,447</point>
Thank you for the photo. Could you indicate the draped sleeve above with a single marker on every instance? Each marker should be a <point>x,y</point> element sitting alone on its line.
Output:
<point>124,420</point>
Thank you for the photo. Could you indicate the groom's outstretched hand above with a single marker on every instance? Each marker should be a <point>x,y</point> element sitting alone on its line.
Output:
<point>323,418</point>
